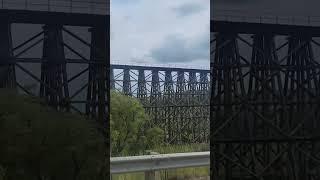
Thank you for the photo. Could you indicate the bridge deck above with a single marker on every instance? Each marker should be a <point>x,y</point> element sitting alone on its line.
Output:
<point>43,17</point>
<point>255,28</point>
<point>134,67</point>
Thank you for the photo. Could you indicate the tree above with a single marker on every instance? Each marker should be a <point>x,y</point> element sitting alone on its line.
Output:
<point>129,135</point>
<point>37,142</point>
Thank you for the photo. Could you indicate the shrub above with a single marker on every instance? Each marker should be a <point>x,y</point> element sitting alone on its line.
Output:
<point>37,142</point>
<point>128,121</point>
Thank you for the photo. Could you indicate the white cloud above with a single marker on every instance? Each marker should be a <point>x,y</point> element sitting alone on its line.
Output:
<point>140,27</point>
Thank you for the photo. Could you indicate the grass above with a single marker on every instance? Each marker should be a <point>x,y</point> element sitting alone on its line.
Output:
<point>184,173</point>
<point>182,148</point>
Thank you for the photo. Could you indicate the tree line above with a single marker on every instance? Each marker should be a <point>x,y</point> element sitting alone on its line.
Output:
<point>37,142</point>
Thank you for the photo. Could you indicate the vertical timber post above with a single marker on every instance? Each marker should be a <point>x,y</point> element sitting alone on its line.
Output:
<point>7,69</point>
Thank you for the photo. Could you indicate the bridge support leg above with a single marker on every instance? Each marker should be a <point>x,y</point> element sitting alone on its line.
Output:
<point>112,80</point>
<point>264,126</point>
<point>227,86</point>
<point>97,87</point>
<point>7,69</point>
<point>54,86</point>
<point>127,82</point>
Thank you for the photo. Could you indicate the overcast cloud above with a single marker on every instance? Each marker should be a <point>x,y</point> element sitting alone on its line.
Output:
<point>160,32</point>
<point>176,32</point>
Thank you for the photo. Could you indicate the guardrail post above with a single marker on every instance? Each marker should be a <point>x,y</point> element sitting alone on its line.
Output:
<point>150,175</point>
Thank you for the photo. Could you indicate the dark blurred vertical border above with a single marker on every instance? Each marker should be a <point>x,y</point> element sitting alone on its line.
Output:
<point>107,124</point>
<point>211,91</point>
<point>62,38</point>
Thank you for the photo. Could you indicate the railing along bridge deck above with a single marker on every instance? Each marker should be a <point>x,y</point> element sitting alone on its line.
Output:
<point>264,18</point>
<point>100,7</point>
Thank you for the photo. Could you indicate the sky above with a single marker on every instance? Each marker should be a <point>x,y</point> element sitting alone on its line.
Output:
<point>176,33</point>
<point>160,33</point>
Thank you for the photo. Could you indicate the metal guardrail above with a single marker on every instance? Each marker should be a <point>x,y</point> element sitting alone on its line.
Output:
<point>151,163</point>
<point>101,7</point>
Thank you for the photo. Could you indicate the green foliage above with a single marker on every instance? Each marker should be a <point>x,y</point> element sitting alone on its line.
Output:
<point>155,137</point>
<point>128,119</point>
<point>37,142</point>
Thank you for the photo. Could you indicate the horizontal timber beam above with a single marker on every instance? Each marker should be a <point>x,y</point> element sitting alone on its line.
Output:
<point>117,66</point>
<point>44,17</point>
<point>257,28</point>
